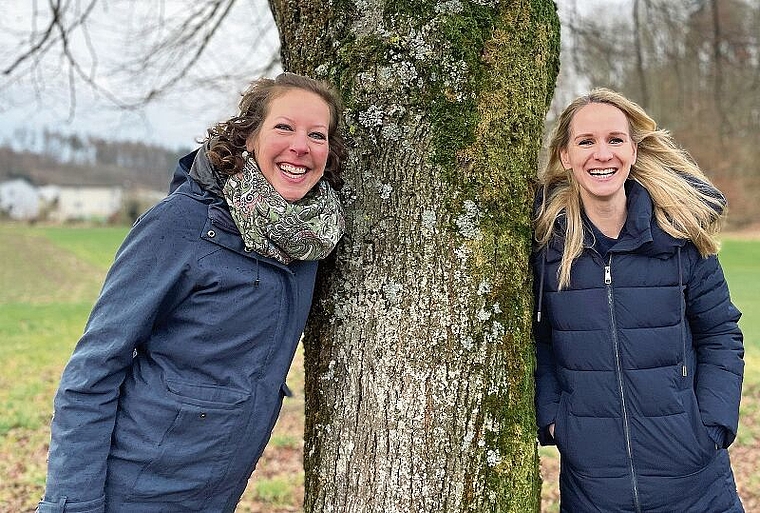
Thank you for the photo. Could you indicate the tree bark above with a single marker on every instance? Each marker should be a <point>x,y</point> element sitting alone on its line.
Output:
<point>638,44</point>
<point>418,354</point>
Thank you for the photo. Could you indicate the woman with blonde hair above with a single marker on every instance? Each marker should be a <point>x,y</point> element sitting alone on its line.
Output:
<point>639,354</point>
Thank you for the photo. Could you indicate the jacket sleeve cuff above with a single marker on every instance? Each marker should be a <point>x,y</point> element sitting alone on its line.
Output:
<point>719,435</point>
<point>544,437</point>
<point>63,505</point>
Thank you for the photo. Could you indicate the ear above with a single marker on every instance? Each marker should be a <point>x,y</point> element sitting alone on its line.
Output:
<point>564,159</point>
<point>250,142</point>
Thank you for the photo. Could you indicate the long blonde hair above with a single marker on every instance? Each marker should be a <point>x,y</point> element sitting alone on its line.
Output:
<point>681,209</point>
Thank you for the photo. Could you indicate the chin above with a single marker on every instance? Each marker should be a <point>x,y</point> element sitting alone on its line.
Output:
<point>292,196</point>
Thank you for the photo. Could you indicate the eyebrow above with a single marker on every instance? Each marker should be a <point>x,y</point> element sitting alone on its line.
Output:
<point>586,135</point>
<point>289,120</point>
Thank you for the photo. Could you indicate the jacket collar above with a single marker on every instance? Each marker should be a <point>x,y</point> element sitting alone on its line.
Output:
<point>219,228</point>
<point>641,233</point>
<point>218,211</point>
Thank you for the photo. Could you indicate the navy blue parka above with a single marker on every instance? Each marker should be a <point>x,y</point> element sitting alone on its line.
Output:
<point>173,390</point>
<point>639,367</point>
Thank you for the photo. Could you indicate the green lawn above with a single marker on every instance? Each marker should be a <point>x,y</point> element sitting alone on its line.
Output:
<point>741,263</point>
<point>48,281</point>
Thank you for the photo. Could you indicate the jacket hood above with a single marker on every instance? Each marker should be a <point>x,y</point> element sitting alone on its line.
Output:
<point>718,206</point>
<point>640,232</point>
<point>182,171</point>
<point>218,211</point>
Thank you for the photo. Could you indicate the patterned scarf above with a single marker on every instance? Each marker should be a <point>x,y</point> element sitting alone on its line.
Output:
<point>307,229</point>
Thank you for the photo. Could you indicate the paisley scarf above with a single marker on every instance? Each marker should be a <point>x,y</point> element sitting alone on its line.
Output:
<point>307,229</point>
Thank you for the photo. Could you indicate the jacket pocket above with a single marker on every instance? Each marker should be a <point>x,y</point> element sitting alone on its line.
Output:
<point>194,451</point>
<point>589,446</point>
<point>266,432</point>
<point>675,445</point>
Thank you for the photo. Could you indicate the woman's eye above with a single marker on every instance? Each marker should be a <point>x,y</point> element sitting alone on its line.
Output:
<point>616,140</point>
<point>282,126</point>
<point>585,142</point>
<point>318,135</point>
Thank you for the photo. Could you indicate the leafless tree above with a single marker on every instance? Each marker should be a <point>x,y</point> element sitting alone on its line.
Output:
<point>418,355</point>
<point>132,53</point>
<point>694,65</point>
<point>638,5</point>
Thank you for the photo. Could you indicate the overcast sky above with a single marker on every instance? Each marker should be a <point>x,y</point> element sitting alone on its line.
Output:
<point>117,32</point>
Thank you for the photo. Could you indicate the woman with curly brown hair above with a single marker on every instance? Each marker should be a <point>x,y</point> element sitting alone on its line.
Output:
<point>173,390</point>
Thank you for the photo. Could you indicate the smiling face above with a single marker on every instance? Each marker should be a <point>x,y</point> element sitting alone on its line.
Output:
<point>600,153</point>
<point>291,146</point>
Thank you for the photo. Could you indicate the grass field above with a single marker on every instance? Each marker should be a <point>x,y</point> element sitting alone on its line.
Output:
<point>49,279</point>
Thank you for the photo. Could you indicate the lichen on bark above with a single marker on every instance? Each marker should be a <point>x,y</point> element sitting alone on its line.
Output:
<point>418,352</point>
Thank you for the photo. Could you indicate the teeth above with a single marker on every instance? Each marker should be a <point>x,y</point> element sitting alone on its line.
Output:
<point>602,172</point>
<point>293,170</point>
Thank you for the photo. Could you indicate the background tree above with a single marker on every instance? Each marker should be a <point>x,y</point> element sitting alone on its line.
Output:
<point>695,66</point>
<point>134,56</point>
<point>418,354</point>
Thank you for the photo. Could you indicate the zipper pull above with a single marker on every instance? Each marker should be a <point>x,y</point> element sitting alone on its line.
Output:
<point>608,271</point>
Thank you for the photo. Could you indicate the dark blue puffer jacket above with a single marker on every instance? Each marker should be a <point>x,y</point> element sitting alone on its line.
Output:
<point>173,390</point>
<point>639,366</point>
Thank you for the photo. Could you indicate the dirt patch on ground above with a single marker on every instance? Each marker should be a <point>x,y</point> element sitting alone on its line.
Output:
<point>747,233</point>
<point>34,270</point>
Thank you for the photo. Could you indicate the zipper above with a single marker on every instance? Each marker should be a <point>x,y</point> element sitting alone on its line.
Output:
<point>682,307</point>
<point>619,371</point>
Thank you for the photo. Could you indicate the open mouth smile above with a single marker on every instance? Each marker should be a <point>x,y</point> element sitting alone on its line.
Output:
<point>291,170</point>
<point>602,173</point>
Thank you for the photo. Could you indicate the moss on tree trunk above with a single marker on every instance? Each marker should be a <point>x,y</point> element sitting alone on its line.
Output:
<point>419,357</point>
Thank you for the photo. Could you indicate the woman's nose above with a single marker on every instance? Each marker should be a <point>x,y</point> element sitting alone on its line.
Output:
<point>603,152</point>
<point>300,144</point>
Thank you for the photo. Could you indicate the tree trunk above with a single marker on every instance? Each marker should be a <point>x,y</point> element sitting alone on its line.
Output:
<point>638,44</point>
<point>418,354</point>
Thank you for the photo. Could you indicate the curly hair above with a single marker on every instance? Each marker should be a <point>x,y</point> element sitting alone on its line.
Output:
<point>226,140</point>
<point>681,208</point>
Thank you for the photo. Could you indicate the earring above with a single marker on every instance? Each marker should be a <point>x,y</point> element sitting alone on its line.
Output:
<point>245,154</point>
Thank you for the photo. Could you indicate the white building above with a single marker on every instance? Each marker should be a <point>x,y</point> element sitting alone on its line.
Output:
<point>19,199</point>
<point>85,203</point>
<point>22,201</point>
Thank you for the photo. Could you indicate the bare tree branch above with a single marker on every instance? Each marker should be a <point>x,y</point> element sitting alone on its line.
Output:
<point>225,6</point>
<point>48,39</point>
<point>168,64</point>
<point>37,47</point>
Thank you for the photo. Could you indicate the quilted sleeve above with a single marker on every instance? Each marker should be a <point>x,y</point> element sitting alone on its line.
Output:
<point>718,342</point>
<point>547,385</point>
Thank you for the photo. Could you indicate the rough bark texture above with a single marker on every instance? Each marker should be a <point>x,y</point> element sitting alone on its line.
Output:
<point>419,360</point>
